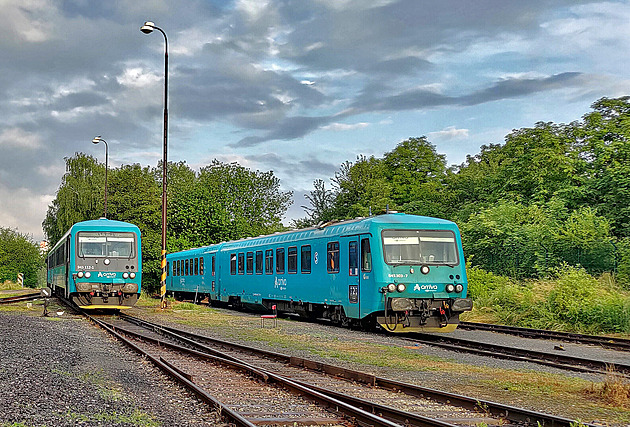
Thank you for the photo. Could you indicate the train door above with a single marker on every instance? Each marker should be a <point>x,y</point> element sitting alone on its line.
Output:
<point>352,253</point>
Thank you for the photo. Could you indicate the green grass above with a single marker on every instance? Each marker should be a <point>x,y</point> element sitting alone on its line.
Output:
<point>137,418</point>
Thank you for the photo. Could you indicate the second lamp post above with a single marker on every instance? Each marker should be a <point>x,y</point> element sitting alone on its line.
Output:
<point>96,140</point>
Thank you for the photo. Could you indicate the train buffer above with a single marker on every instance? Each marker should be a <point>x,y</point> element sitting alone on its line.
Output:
<point>273,316</point>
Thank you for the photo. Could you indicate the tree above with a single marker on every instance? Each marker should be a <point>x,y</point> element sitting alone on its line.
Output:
<point>415,172</point>
<point>605,133</point>
<point>80,196</point>
<point>19,254</point>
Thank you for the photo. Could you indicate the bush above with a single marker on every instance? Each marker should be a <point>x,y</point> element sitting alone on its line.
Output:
<point>19,254</point>
<point>572,300</point>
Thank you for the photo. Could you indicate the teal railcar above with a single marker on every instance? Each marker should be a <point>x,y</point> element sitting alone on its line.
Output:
<point>404,272</point>
<point>97,265</point>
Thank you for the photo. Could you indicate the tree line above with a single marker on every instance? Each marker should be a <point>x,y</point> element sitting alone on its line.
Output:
<point>550,194</point>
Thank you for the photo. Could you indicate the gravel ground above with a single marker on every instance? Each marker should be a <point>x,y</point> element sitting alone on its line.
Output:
<point>63,371</point>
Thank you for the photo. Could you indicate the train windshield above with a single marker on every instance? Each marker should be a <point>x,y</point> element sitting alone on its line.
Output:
<point>419,247</point>
<point>106,244</point>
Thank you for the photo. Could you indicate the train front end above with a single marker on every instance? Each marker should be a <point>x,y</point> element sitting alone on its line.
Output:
<point>423,285</point>
<point>107,263</point>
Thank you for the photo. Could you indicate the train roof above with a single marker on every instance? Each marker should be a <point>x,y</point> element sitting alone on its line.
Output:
<point>334,228</point>
<point>95,225</point>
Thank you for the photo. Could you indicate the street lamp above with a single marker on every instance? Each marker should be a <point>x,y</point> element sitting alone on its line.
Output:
<point>148,28</point>
<point>96,140</point>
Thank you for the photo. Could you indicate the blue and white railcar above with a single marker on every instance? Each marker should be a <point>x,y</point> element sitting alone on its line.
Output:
<point>97,264</point>
<point>404,272</point>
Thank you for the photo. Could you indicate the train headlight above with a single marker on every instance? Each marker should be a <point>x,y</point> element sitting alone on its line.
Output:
<point>125,275</point>
<point>391,287</point>
<point>459,288</point>
<point>80,274</point>
<point>88,274</point>
<point>132,275</point>
<point>401,287</point>
<point>450,287</point>
<point>106,262</point>
<point>425,269</point>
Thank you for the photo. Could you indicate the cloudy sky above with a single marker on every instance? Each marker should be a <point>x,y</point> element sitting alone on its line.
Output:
<point>293,86</point>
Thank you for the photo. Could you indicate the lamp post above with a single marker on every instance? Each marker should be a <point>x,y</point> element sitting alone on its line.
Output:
<point>96,140</point>
<point>148,28</point>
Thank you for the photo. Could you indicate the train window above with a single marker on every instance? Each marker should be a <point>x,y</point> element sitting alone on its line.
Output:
<point>280,260</point>
<point>269,261</point>
<point>196,266</point>
<point>213,265</point>
<point>179,268</point>
<point>332,259</point>
<point>106,244</point>
<point>191,267</point>
<point>241,263</point>
<point>292,259</point>
<point>187,269</point>
<point>168,269</point>
<point>306,259</point>
<point>414,247</point>
<point>366,255</point>
<point>259,262</point>
<point>201,266</point>
<point>353,259</point>
<point>232,263</point>
<point>249,263</point>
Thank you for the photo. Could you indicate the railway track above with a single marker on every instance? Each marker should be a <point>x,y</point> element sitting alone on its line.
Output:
<point>413,405</point>
<point>18,298</point>
<point>612,343</point>
<point>553,359</point>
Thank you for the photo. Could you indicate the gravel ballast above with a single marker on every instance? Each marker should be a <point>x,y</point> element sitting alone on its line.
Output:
<point>63,371</point>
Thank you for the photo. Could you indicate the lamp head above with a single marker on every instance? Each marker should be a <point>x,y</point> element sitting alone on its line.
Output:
<point>148,27</point>
<point>97,139</point>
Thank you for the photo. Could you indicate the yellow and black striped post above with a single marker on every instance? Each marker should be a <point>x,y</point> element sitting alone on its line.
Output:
<point>20,279</point>
<point>163,303</point>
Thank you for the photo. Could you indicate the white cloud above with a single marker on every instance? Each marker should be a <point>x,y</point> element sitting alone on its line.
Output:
<point>16,137</point>
<point>450,132</point>
<point>342,127</point>
<point>137,77</point>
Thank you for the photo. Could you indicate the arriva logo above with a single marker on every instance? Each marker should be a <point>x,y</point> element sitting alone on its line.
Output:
<point>426,288</point>
<point>107,275</point>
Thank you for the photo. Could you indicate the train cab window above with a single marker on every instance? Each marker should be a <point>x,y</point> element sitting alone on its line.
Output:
<point>168,269</point>
<point>259,262</point>
<point>269,261</point>
<point>241,263</point>
<point>305,259</point>
<point>213,265</point>
<point>280,260</point>
<point>196,266</point>
<point>366,256</point>
<point>292,259</point>
<point>232,263</point>
<point>332,259</point>
<point>249,263</point>
<point>201,266</point>
<point>353,259</point>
